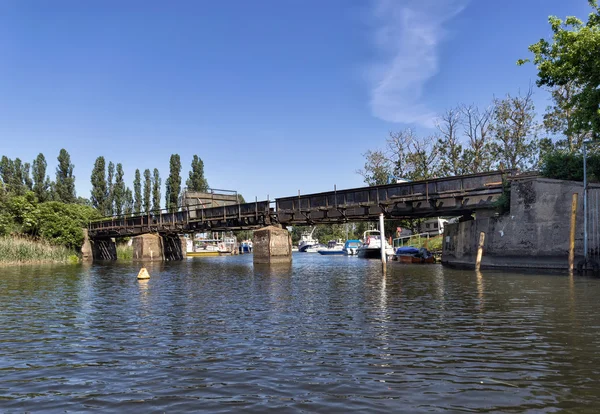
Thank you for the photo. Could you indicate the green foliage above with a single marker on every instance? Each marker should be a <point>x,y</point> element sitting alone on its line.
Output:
<point>156,190</point>
<point>62,224</point>
<point>65,180</point>
<point>110,195</point>
<point>196,180</point>
<point>99,186</point>
<point>137,190</point>
<point>119,192</point>
<point>41,183</point>
<point>572,57</point>
<point>124,252</point>
<point>148,190</point>
<point>173,184</point>
<point>569,166</point>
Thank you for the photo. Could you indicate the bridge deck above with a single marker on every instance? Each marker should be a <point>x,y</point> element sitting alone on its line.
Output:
<point>428,198</point>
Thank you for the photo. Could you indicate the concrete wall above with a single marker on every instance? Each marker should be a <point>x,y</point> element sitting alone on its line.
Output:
<point>535,234</point>
<point>148,247</point>
<point>272,245</point>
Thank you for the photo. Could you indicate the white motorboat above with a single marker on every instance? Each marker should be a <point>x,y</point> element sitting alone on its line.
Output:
<point>351,247</point>
<point>307,241</point>
<point>371,246</point>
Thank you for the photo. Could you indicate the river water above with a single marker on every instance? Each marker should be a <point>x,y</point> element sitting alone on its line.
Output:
<point>326,334</point>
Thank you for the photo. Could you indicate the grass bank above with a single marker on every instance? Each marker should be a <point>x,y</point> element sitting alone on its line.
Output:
<point>434,244</point>
<point>21,250</point>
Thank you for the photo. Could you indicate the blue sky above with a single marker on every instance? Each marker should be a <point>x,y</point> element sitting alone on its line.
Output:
<point>275,96</point>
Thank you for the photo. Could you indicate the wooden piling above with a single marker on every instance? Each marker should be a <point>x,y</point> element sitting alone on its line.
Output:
<point>479,250</point>
<point>382,239</point>
<point>572,233</point>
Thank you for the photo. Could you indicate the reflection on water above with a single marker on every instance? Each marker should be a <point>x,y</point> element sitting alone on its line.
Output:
<point>323,334</point>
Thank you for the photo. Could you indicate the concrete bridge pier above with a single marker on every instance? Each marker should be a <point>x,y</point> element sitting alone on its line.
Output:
<point>148,248</point>
<point>272,245</point>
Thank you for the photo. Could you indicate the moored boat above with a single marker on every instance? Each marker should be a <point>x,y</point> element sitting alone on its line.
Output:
<point>306,241</point>
<point>371,246</point>
<point>351,247</point>
<point>333,247</point>
<point>409,254</point>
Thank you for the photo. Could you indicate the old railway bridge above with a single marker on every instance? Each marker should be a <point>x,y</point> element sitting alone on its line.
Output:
<point>451,196</point>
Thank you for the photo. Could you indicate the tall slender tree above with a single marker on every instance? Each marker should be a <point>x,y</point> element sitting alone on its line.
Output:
<point>147,190</point>
<point>7,171</point>
<point>40,180</point>
<point>196,180</point>
<point>173,184</point>
<point>99,196</point>
<point>65,180</point>
<point>137,189</point>
<point>128,207</point>
<point>156,182</point>
<point>27,181</point>
<point>110,186</point>
<point>119,191</point>
<point>17,184</point>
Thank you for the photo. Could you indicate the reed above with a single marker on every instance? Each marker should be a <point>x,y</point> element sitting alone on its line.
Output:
<point>124,252</point>
<point>15,250</point>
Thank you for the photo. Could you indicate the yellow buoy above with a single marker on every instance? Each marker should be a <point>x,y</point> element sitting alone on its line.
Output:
<point>143,274</point>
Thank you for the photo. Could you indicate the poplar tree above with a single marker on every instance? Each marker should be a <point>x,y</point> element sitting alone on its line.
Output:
<point>137,189</point>
<point>128,209</point>
<point>65,180</point>
<point>196,180</point>
<point>17,177</point>
<point>156,191</point>
<point>41,182</point>
<point>119,191</point>
<point>7,172</point>
<point>110,186</point>
<point>173,184</point>
<point>27,181</point>
<point>147,190</point>
<point>99,187</point>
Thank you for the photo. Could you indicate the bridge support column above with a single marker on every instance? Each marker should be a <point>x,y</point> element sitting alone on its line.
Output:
<point>272,245</point>
<point>104,249</point>
<point>147,248</point>
<point>87,254</point>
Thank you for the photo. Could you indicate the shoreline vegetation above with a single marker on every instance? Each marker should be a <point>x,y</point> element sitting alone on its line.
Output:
<point>15,250</point>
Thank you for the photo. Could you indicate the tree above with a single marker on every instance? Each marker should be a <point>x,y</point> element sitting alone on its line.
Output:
<point>398,145</point>
<point>137,189</point>
<point>27,181</point>
<point>99,187</point>
<point>477,127</point>
<point>573,58</point>
<point>424,158</point>
<point>7,172</point>
<point>450,148</point>
<point>558,119</point>
<point>515,129</point>
<point>128,206</point>
<point>65,181</point>
<point>173,184</point>
<point>156,191</point>
<point>119,191</point>
<point>377,168</point>
<point>110,202</point>
<point>41,182</point>
<point>17,185</point>
<point>197,182</point>
<point>148,190</point>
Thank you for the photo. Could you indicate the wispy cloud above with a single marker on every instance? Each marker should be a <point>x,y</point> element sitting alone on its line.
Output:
<point>408,35</point>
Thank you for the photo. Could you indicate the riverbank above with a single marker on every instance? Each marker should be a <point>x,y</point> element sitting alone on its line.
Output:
<point>21,250</point>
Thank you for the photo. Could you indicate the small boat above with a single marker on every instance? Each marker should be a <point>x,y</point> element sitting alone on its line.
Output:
<point>307,241</point>
<point>246,246</point>
<point>371,246</point>
<point>351,247</point>
<point>205,248</point>
<point>314,248</point>
<point>333,247</point>
<point>409,254</point>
